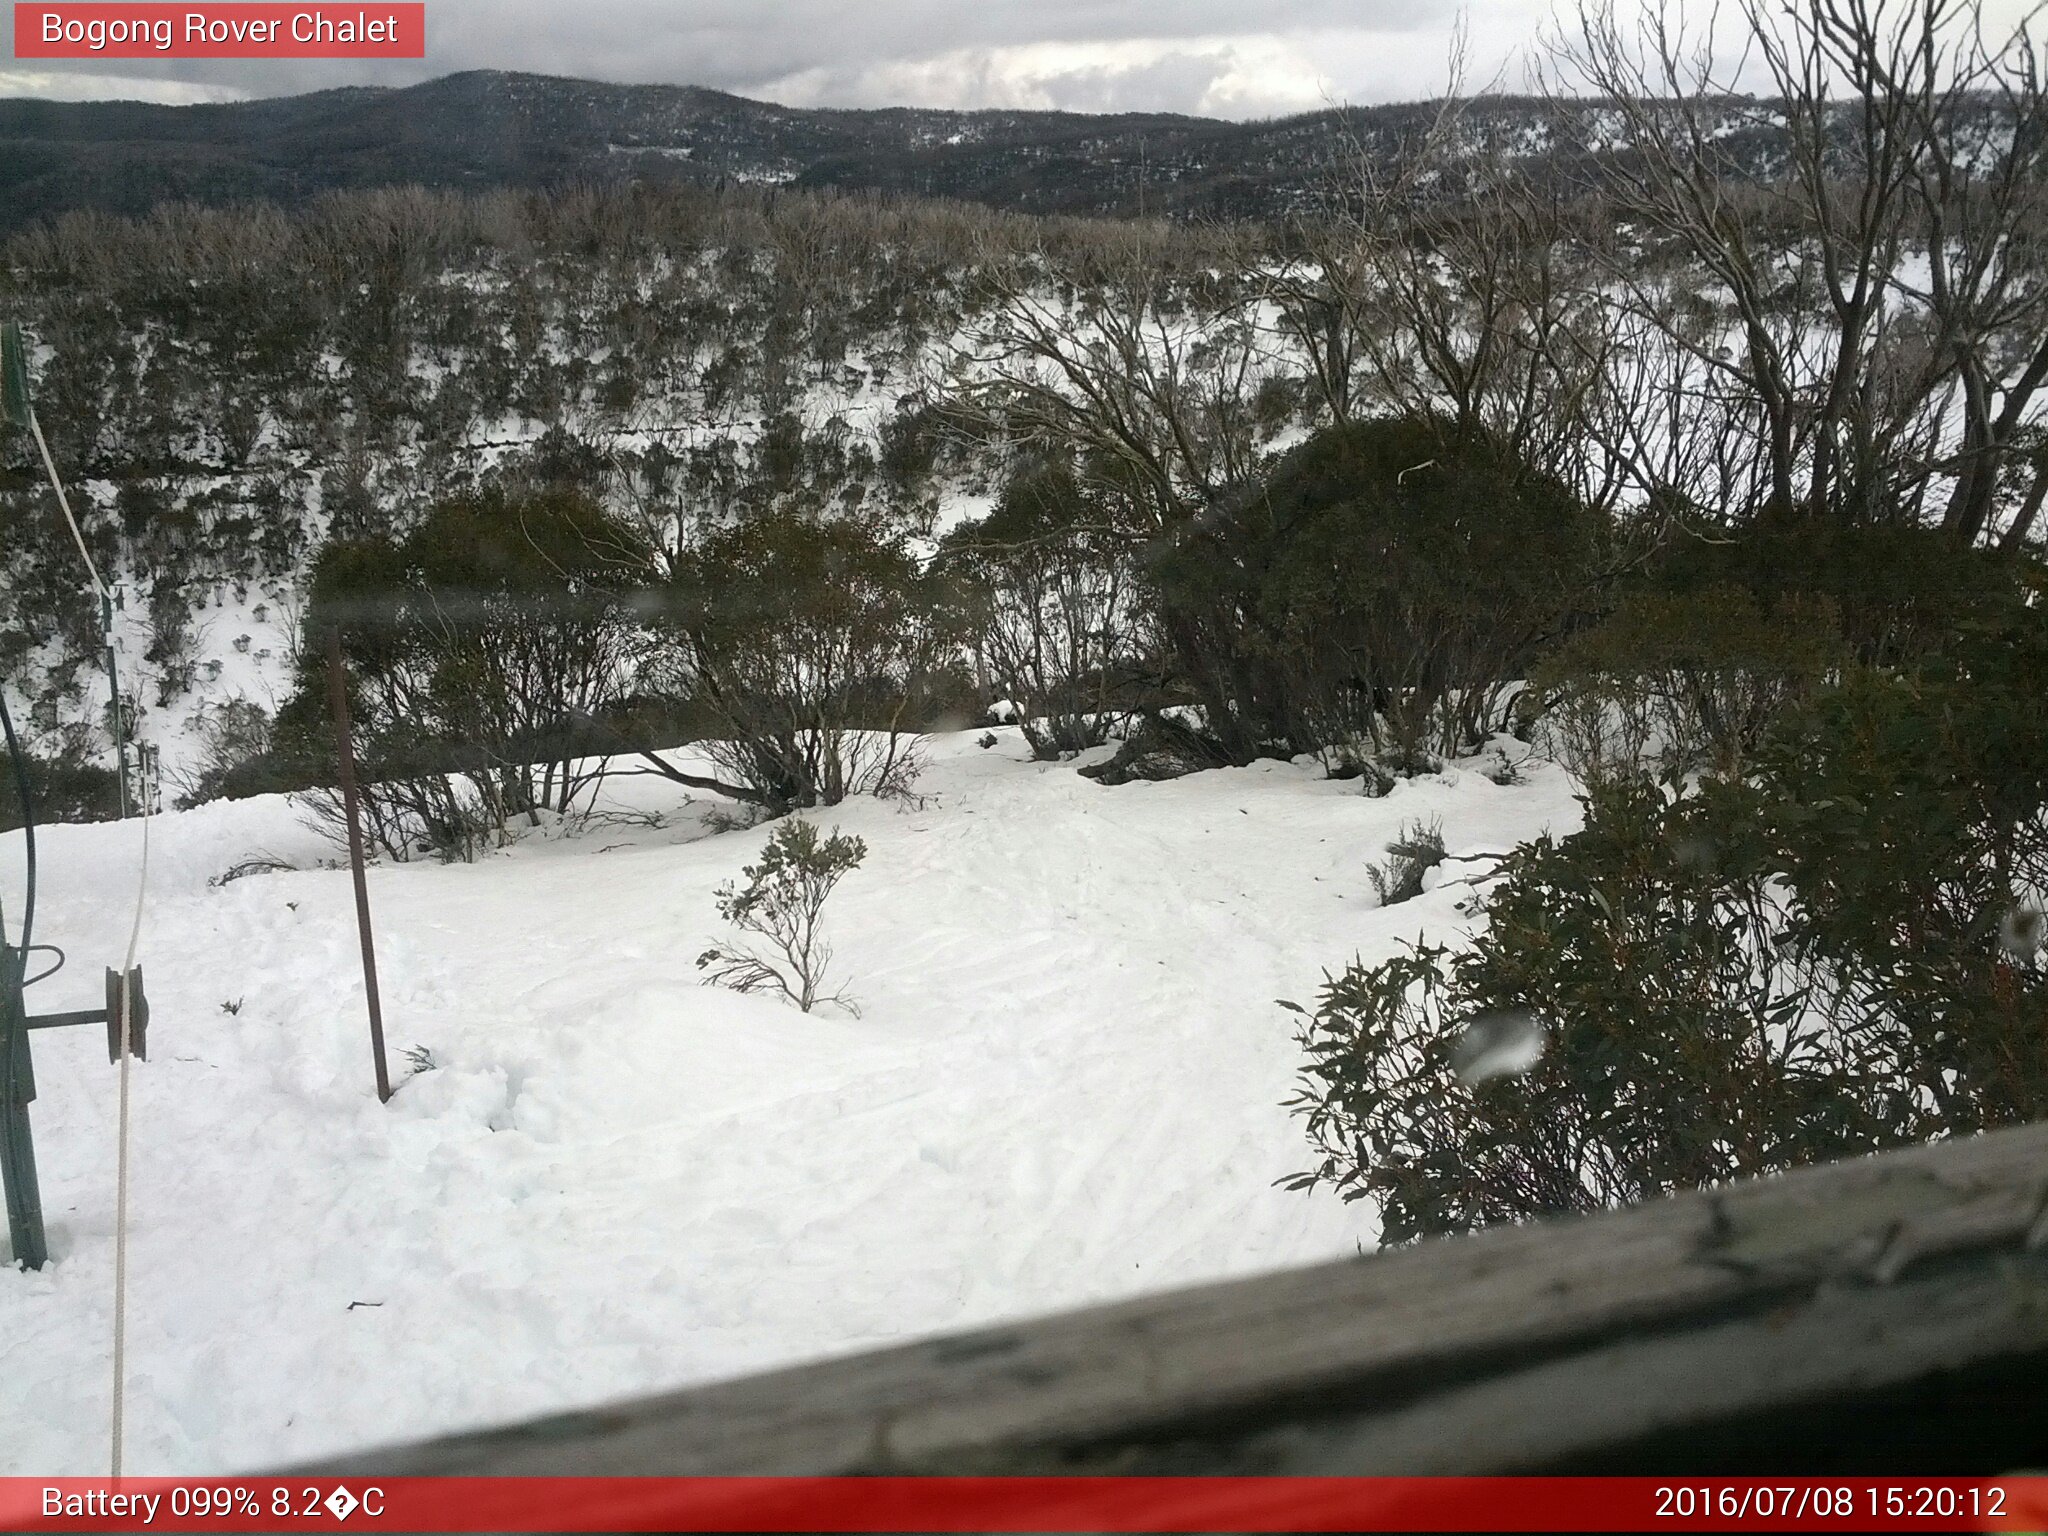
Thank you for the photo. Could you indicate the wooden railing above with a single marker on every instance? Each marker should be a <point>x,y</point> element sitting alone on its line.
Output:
<point>1888,1314</point>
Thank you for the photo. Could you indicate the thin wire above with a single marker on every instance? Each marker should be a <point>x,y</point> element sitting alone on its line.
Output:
<point>42,949</point>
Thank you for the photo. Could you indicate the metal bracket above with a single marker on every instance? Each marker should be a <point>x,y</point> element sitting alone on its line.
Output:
<point>18,1088</point>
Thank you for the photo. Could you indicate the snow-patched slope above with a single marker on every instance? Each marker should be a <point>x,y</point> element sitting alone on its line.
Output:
<point>1066,1087</point>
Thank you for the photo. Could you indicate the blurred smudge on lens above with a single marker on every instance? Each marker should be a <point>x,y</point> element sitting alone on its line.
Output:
<point>2020,932</point>
<point>1503,1043</point>
<point>1693,853</point>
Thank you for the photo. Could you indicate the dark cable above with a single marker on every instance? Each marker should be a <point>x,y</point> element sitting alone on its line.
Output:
<point>43,949</point>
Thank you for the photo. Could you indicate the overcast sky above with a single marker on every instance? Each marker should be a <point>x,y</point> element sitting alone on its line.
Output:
<point>1220,58</point>
<point>1225,58</point>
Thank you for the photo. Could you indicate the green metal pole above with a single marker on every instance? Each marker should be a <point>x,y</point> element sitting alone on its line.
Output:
<point>17,1092</point>
<point>17,1071</point>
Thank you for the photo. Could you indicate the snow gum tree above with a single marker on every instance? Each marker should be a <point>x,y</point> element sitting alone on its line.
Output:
<point>812,647</point>
<point>1058,622</point>
<point>477,648</point>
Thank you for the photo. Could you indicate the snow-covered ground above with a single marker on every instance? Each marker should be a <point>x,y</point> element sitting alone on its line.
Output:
<point>1066,1087</point>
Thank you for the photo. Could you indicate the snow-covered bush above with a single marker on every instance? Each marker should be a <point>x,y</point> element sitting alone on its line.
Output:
<point>781,904</point>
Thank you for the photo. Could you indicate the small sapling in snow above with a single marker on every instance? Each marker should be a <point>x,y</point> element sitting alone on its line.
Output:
<point>781,902</point>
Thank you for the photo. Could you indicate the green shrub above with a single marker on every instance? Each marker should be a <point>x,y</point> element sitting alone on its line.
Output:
<point>62,788</point>
<point>477,649</point>
<point>1814,961</point>
<point>812,644</point>
<point>1688,681</point>
<point>1385,586</point>
<point>1893,592</point>
<point>1418,850</point>
<point>781,904</point>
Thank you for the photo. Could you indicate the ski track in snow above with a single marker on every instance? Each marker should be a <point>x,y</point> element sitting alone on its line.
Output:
<point>1066,1088</point>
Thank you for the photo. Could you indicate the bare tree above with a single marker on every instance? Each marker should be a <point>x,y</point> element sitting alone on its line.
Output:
<point>1150,381</point>
<point>1057,625</point>
<point>1877,283</point>
<point>1437,278</point>
<point>1148,377</point>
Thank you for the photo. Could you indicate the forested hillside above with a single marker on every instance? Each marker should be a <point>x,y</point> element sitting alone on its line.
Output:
<point>231,388</point>
<point>1640,314</point>
<point>532,131</point>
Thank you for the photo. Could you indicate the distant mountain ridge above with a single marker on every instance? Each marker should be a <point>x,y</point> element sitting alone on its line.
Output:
<point>487,128</point>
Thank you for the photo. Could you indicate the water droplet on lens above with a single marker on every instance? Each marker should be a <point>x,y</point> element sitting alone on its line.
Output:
<point>1694,853</point>
<point>1503,1043</point>
<point>2020,931</point>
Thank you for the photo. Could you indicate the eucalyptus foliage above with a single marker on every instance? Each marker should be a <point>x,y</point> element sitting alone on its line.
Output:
<point>1825,956</point>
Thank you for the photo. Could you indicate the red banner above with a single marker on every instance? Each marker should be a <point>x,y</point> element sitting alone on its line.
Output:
<point>375,30</point>
<point>1052,1504</point>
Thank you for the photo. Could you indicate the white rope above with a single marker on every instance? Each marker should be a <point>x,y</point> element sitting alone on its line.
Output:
<point>77,538</point>
<point>121,1165</point>
<point>126,1044</point>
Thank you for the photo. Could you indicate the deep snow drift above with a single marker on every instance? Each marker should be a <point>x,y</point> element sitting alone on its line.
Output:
<point>1067,1087</point>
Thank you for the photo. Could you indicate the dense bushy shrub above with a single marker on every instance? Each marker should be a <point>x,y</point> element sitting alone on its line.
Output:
<point>1829,956</point>
<point>1893,592</point>
<point>909,450</point>
<point>1383,587</point>
<point>477,648</point>
<point>1687,681</point>
<point>65,786</point>
<point>1702,647</point>
<point>810,645</point>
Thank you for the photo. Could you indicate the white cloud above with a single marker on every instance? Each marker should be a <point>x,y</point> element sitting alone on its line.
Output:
<point>1217,76</point>
<point>58,85</point>
<point>1231,75</point>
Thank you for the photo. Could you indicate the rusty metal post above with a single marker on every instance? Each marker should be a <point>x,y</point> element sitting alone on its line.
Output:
<point>345,753</point>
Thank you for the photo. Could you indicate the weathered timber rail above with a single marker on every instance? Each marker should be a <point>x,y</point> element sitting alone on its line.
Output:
<point>1888,1314</point>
